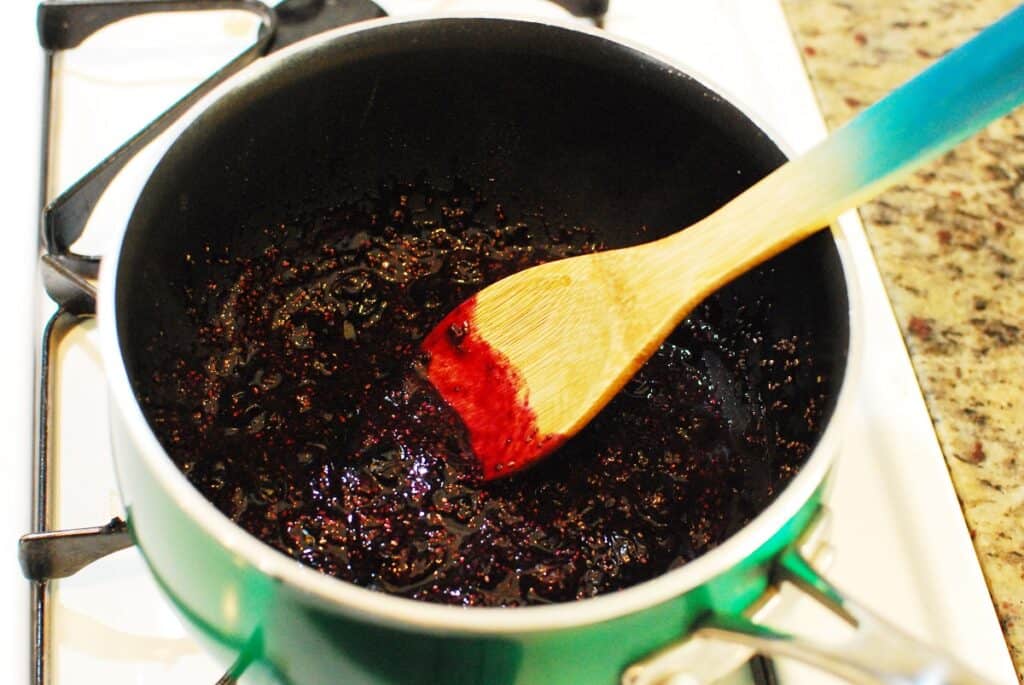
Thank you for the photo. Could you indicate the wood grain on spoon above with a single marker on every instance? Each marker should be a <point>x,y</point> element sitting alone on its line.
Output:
<point>529,360</point>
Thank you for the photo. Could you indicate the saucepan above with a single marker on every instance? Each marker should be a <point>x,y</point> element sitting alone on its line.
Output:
<point>586,126</point>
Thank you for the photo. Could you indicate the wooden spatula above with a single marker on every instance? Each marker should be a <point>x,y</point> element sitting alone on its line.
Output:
<point>531,359</point>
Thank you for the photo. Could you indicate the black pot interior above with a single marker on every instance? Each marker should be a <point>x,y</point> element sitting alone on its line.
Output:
<point>546,117</point>
<point>569,122</point>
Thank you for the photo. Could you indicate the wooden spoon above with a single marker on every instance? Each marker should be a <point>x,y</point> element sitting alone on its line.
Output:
<point>529,360</point>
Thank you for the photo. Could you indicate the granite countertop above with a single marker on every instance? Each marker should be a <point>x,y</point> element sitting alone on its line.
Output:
<point>950,245</point>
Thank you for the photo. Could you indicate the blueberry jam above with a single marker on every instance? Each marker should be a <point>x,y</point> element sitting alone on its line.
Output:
<point>302,412</point>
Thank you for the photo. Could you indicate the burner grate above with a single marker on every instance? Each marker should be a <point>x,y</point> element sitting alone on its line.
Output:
<point>47,554</point>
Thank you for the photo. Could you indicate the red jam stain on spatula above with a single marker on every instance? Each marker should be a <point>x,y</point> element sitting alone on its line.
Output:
<point>488,394</point>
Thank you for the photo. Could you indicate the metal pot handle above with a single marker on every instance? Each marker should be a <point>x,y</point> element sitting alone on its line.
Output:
<point>877,652</point>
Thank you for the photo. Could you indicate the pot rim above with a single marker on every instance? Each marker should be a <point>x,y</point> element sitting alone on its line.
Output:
<point>397,611</point>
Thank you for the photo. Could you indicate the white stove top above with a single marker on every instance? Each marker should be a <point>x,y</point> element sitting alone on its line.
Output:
<point>901,543</point>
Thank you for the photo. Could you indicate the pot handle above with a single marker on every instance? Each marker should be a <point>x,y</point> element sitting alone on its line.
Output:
<point>63,25</point>
<point>877,653</point>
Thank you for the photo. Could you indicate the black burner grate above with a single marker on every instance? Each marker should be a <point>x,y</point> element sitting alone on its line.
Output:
<point>47,554</point>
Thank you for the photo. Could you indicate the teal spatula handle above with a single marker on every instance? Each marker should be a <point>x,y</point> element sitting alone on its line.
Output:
<point>959,94</point>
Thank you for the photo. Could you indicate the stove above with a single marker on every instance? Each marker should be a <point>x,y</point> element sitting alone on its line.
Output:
<point>900,543</point>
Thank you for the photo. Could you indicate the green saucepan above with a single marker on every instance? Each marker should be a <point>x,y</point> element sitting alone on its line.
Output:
<point>566,118</point>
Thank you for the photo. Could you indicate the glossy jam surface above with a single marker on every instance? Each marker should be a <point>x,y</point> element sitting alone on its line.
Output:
<point>302,412</point>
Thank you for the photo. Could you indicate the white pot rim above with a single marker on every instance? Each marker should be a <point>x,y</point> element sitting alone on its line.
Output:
<point>387,609</point>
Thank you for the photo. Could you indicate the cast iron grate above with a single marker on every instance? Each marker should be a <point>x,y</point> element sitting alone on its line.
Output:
<point>47,554</point>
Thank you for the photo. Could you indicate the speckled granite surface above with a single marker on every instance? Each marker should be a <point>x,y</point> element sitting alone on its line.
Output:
<point>950,245</point>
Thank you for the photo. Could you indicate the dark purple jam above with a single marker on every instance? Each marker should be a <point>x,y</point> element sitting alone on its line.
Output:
<point>302,413</point>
